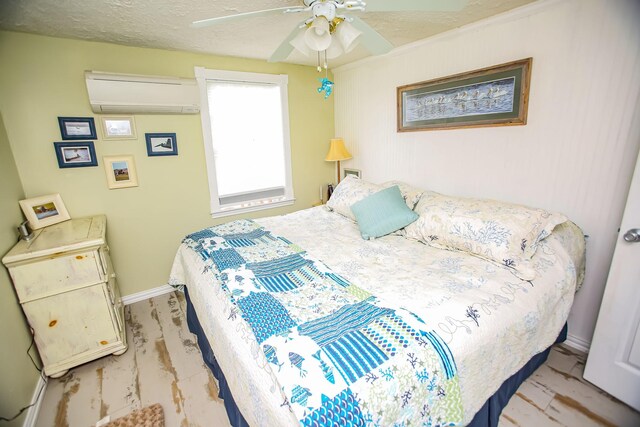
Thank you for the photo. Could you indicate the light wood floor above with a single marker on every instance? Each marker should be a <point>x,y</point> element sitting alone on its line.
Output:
<point>163,365</point>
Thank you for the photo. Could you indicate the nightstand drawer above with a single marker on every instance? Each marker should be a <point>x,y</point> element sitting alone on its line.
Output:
<point>55,274</point>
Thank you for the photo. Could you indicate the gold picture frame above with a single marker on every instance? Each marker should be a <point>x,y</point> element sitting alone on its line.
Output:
<point>118,127</point>
<point>44,210</point>
<point>492,96</point>
<point>121,171</point>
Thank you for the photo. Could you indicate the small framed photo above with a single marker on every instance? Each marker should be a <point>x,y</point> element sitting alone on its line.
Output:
<point>354,172</point>
<point>121,127</point>
<point>44,210</point>
<point>161,144</point>
<point>75,154</point>
<point>121,171</point>
<point>73,128</point>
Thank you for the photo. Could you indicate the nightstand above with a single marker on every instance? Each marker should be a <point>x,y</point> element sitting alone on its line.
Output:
<point>67,288</point>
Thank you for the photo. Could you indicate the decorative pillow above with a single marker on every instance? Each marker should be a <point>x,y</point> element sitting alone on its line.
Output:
<point>504,233</point>
<point>410,193</point>
<point>382,213</point>
<point>350,190</point>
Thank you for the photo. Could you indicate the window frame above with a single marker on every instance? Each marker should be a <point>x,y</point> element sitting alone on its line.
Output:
<point>203,75</point>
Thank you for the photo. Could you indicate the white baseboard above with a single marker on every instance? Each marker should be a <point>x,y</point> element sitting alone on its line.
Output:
<point>149,293</point>
<point>36,401</point>
<point>578,343</point>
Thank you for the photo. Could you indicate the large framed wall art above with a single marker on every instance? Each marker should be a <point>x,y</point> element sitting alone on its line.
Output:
<point>492,96</point>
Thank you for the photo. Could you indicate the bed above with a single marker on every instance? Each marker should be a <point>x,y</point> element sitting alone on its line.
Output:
<point>305,322</point>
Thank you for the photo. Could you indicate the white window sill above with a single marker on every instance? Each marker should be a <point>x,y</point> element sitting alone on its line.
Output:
<point>238,211</point>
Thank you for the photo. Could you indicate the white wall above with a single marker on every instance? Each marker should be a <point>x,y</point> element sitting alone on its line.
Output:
<point>577,151</point>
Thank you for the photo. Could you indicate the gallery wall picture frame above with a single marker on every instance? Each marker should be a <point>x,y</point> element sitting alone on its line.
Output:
<point>121,171</point>
<point>45,210</point>
<point>118,127</point>
<point>355,172</point>
<point>492,96</point>
<point>75,154</point>
<point>161,144</point>
<point>77,128</point>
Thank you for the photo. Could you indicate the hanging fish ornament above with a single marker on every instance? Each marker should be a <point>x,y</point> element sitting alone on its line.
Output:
<point>300,395</point>
<point>326,369</point>
<point>326,87</point>
<point>272,357</point>
<point>296,360</point>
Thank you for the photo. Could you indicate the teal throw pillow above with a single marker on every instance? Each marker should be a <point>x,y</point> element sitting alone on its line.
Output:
<point>382,213</point>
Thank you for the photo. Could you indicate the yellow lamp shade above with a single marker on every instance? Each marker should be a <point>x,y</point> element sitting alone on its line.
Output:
<point>337,151</point>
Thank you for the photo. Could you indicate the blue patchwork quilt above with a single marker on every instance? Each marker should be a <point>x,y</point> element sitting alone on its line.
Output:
<point>341,356</point>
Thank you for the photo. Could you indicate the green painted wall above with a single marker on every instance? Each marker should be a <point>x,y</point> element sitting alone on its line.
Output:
<point>18,375</point>
<point>43,78</point>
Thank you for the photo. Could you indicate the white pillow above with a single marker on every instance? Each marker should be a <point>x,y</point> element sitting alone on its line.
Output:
<point>504,233</point>
<point>410,193</point>
<point>350,190</point>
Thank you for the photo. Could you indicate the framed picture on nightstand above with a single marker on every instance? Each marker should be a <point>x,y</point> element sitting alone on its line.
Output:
<point>44,210</point>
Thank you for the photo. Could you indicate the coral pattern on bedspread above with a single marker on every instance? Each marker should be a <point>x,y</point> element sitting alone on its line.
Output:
<point>341,356</point>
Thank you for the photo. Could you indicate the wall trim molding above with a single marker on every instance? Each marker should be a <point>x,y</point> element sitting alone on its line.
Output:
<point>517,13</point>
<point>149,293</point>
<point>36,401</point>
<point>578,343</point>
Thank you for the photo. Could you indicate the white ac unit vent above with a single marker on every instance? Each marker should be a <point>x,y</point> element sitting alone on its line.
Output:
<point>131,93</point>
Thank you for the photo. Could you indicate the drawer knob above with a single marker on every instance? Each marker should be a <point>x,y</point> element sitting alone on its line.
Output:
<point>52,323</point>
<point>103,342</point>
<point>79,257</point>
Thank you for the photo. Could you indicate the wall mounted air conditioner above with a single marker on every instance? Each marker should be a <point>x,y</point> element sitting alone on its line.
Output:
<point>130,93</point>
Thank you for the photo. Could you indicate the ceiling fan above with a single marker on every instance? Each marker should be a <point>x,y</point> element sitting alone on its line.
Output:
<point>333,26</point>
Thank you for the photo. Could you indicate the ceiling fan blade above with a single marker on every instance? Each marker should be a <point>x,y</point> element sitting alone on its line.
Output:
<point>285,48</point>
<point>370,38</point>
<point>219,19</point>
<point>415,5</point>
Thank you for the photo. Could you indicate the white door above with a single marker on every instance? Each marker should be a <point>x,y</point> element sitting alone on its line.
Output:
<point>614,357</point>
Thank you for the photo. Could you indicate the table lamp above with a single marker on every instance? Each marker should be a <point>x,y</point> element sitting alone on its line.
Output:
<point>337,152</point>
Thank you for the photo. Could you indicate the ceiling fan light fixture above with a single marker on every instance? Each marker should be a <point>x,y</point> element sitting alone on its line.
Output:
<point>317,36</point>
<point>348,36</point>
<point>335,49</point>
<point>300,44</point>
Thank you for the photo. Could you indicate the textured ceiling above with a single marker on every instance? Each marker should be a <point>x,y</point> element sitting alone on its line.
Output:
<point>165,24</point>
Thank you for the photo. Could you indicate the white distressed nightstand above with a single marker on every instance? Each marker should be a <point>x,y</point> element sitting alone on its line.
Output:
<point>67,289</point>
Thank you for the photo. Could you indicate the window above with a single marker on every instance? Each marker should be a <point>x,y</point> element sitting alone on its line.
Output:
<point>245,124</point>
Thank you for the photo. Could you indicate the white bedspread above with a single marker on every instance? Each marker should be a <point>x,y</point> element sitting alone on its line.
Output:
<point>492,321</point>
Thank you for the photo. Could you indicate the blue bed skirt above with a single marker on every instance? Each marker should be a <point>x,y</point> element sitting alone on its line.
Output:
<point>487,416</point>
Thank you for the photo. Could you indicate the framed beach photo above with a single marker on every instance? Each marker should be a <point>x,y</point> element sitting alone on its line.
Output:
<point>493,96</point>
<point>44,210</point>
<point>75,154</point>
<point>121,171</point>
<point>118,127</point>
<point>161,144</point>
<point>74,128</point>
